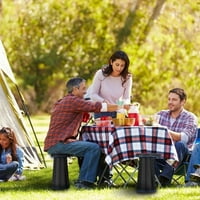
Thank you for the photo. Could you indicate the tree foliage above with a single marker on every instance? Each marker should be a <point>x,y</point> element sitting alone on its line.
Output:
<point>49,41</point>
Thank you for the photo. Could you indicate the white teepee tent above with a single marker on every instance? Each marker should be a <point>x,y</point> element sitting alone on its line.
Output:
<point>11,115</point>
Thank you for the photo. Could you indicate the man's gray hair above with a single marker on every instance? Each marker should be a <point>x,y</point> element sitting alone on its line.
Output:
<point>74,82</point>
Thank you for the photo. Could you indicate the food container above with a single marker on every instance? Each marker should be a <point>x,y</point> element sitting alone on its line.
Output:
<point>150,120</point>
<point>136,117</point>
<point>118,121</point>
<point>123,121</point>
<point>101,123</point>
<point>129,121</point>
<point>120,116</point>
<point>105,118</point>
<point>147,120</point>
<point>134,113</point>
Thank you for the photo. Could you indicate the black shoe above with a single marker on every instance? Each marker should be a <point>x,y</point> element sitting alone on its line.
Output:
<point>196,166</point>
<point>108,183</point>
<point>85,185</point>
<point>164,181</point>
<point>191,184</point>
<point>195,177</point>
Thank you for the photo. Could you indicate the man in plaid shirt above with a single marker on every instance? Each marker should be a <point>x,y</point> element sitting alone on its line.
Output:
<point>65,121</point>
<point>182,126</point>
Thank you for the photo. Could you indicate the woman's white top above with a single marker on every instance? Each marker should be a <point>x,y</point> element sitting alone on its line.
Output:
<point>110,89</point>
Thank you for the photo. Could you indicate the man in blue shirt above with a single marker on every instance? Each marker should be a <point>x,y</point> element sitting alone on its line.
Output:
<point>182,126</point>
<point>193,172</point>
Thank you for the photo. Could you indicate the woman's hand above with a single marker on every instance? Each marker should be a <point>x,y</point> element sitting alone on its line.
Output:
<point>127,106</point>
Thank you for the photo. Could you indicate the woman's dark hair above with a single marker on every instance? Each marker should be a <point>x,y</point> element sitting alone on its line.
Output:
<point>107,70</point>
<point>74,82</point>
<point>180,92</point>
<point>9,133</point>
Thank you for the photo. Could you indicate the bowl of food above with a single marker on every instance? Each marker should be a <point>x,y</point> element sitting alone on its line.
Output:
<point>129,121</point>
<point>106,122</point>
<point>147,120</point>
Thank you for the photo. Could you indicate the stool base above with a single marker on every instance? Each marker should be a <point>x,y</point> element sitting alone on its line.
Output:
<point>146,174</point>
<point>60,178</point>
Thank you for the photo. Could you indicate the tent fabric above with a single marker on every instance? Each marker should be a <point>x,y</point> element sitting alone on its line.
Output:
<point>4,64</point>
<point>11,115</point>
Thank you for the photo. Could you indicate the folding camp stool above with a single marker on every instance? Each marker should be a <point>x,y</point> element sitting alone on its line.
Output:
<point>146,182</point>
<point>60,177</point>
<point>122,170</point>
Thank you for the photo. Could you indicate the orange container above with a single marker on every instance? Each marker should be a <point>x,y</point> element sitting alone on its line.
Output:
<point>129,121</point>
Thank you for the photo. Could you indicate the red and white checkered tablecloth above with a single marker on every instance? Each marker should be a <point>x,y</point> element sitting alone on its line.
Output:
<point>124,143</point>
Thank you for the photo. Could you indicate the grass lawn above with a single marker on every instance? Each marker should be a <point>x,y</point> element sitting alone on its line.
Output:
<point>37,186</point>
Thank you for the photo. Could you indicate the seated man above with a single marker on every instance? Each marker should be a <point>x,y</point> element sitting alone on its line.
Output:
<point>182,126</point>
<point>193,172</point>
<point>62,135</point>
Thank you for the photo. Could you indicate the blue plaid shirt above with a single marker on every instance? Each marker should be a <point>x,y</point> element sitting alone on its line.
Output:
<point>186,123</point>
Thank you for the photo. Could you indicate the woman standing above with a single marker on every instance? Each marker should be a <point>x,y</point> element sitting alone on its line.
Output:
<point>112,83</point>
<point>11,156</point>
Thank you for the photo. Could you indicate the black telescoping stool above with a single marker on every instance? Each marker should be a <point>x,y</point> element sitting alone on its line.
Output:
<point>146,182</point>
<point>60,177</point>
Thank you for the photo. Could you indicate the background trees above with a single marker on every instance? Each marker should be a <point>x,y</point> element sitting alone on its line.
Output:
<point>49,41</point>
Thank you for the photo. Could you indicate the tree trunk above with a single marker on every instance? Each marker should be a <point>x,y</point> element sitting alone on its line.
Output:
<point>154,16</point>
<point>126,29</point>
<point>1,6</point>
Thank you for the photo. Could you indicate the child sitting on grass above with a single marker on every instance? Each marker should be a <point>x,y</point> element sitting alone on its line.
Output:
<point>11,156</point>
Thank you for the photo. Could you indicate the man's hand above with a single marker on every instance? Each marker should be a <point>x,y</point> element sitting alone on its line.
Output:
<point>175,136</point>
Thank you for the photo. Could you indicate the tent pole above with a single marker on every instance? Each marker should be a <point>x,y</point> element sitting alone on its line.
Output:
<point>27,114</point>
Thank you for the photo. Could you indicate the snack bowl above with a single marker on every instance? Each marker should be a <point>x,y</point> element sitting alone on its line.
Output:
<point>148,120</point>
<point>129,121</point>
<point>100,122</point>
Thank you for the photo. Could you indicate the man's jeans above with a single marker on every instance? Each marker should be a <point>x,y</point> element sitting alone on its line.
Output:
<point>90,152</point>
<point>162,168</point>
<point>195,159</point>
<point>7,170</point>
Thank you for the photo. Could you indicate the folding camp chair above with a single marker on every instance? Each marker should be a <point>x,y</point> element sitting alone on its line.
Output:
<point>181,171</point>
<point>121,171</point>
<point>124,173</point>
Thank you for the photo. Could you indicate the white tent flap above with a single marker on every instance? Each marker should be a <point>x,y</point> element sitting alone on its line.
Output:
<point>4,64</point>
<point>11,116</point>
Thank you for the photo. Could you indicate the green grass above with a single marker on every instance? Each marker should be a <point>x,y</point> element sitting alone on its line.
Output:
<point>37,186</point>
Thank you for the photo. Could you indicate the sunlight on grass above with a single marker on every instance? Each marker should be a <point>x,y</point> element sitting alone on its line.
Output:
<point>38,183</point>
